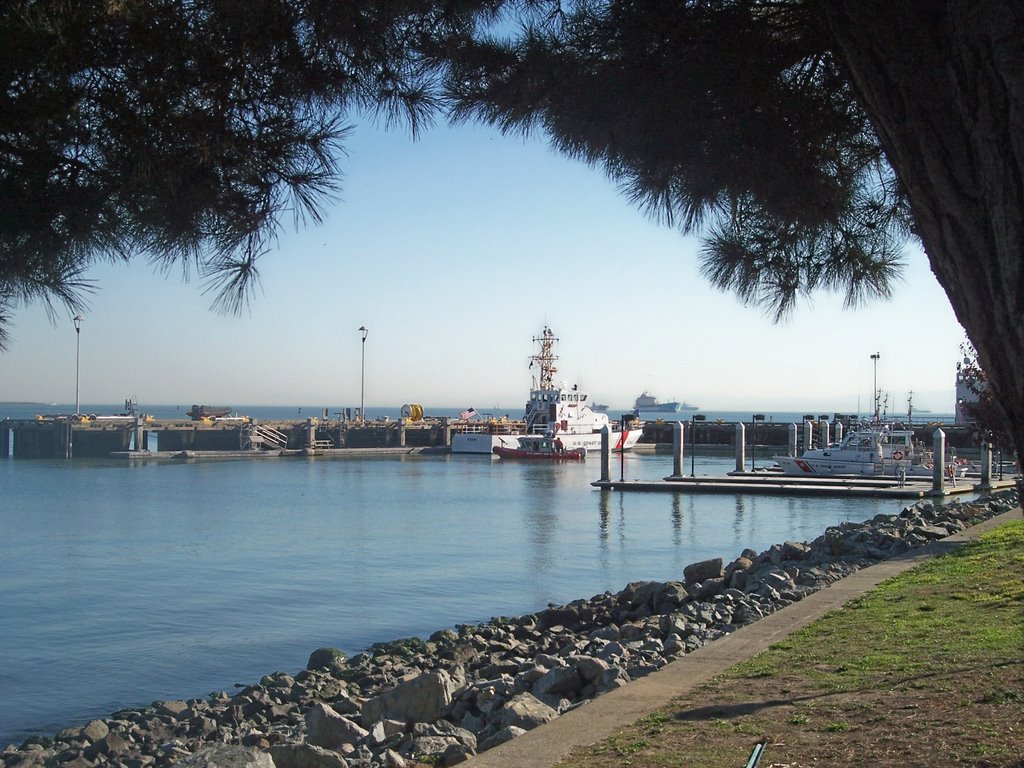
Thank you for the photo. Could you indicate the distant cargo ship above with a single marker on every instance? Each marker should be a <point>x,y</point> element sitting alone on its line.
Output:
<point>650,404</point>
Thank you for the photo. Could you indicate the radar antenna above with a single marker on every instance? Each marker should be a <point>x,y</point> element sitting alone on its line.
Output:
<point>546,357</point>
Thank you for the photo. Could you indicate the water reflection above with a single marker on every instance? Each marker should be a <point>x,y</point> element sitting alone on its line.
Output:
<point>677,520</point>
<point>604,515</point>
<point>737,521</point>
<point>540,497</point>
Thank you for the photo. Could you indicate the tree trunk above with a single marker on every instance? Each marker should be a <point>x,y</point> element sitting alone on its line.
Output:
<point>943,83</point>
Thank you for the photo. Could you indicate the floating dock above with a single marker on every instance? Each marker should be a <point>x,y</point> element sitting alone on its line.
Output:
<point>768,484</point>
<point>774,482</point>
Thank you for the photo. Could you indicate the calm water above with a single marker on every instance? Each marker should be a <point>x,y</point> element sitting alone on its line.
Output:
<point>127,582</point>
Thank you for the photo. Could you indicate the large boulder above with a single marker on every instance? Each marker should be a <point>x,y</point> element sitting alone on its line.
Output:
<point>560,682</point>
<point>94,731</point>
<point>424,699</point>
<point>228,756</point>
<point>329,659</point>
<point>526,711</point>
<point>305,756</point>
<point>326,728</point>
<point>702,571</point>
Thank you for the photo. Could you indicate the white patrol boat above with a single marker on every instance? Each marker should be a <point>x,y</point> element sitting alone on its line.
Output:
<point>552,411</point>
<point>873,450</point>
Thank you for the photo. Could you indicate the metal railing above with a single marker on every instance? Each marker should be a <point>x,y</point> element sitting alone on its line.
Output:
<point>256,436</point>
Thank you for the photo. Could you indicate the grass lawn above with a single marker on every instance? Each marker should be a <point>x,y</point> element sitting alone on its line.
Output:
<point>926,670</point>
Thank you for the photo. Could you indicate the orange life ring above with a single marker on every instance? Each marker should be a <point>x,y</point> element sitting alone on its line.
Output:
<point>897,455</point>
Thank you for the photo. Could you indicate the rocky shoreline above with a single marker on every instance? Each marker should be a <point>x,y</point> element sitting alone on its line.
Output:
<point>467,689</point>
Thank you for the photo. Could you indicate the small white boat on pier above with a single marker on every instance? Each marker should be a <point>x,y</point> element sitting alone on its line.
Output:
<point>871,450</point>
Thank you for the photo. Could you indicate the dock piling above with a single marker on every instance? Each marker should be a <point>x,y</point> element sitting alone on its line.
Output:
<point>791,447</point>
<point>741,446</point>
<point>678,446</point>
<point>986,464</point>
<point>606,454</point>
<point>939,463</point>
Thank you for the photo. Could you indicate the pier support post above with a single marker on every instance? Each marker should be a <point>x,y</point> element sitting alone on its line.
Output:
<point>741,446</point>
<point>606,454</point>
<point>678,446</point>
<point>939,467</point>
<point>310,432</point>
<point>808,435</point>
<point>986,464</point>
<point>791,447</point>
<point>839,431</point>
<point>139,435</point>
<point>446,432</point>
<point>823,433</point>
<point>5,441</point>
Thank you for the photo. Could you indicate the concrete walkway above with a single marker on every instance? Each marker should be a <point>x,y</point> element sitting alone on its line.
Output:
<point>546,745</point>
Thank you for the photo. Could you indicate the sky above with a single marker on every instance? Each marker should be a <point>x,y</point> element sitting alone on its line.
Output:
<point>454,251</point>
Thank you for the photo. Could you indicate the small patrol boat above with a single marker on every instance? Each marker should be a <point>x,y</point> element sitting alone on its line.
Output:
<point>541,448</point>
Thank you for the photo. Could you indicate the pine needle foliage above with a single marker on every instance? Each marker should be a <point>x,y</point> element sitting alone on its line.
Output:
<point>728,119</point>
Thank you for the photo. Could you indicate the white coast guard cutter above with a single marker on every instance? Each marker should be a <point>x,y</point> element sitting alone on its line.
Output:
<point>553,411</point>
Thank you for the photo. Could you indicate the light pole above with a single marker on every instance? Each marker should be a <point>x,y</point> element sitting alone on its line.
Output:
<point>362,383</point>
<point>693,441</point>
<point>874,389</point>
<point>78,355</point>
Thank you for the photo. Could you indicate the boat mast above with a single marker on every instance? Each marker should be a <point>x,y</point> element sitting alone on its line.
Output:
<point>545,358</point>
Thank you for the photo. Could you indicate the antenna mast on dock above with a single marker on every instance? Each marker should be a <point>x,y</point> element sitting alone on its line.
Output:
<point>545,358</point>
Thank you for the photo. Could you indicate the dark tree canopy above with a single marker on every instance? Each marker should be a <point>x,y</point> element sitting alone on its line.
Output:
<point>803,140</point>
<point>988,419</point>
<point>187,131</point>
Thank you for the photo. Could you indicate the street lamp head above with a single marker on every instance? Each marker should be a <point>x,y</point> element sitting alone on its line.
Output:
<point>78,322</point>
<point>365,331</point>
